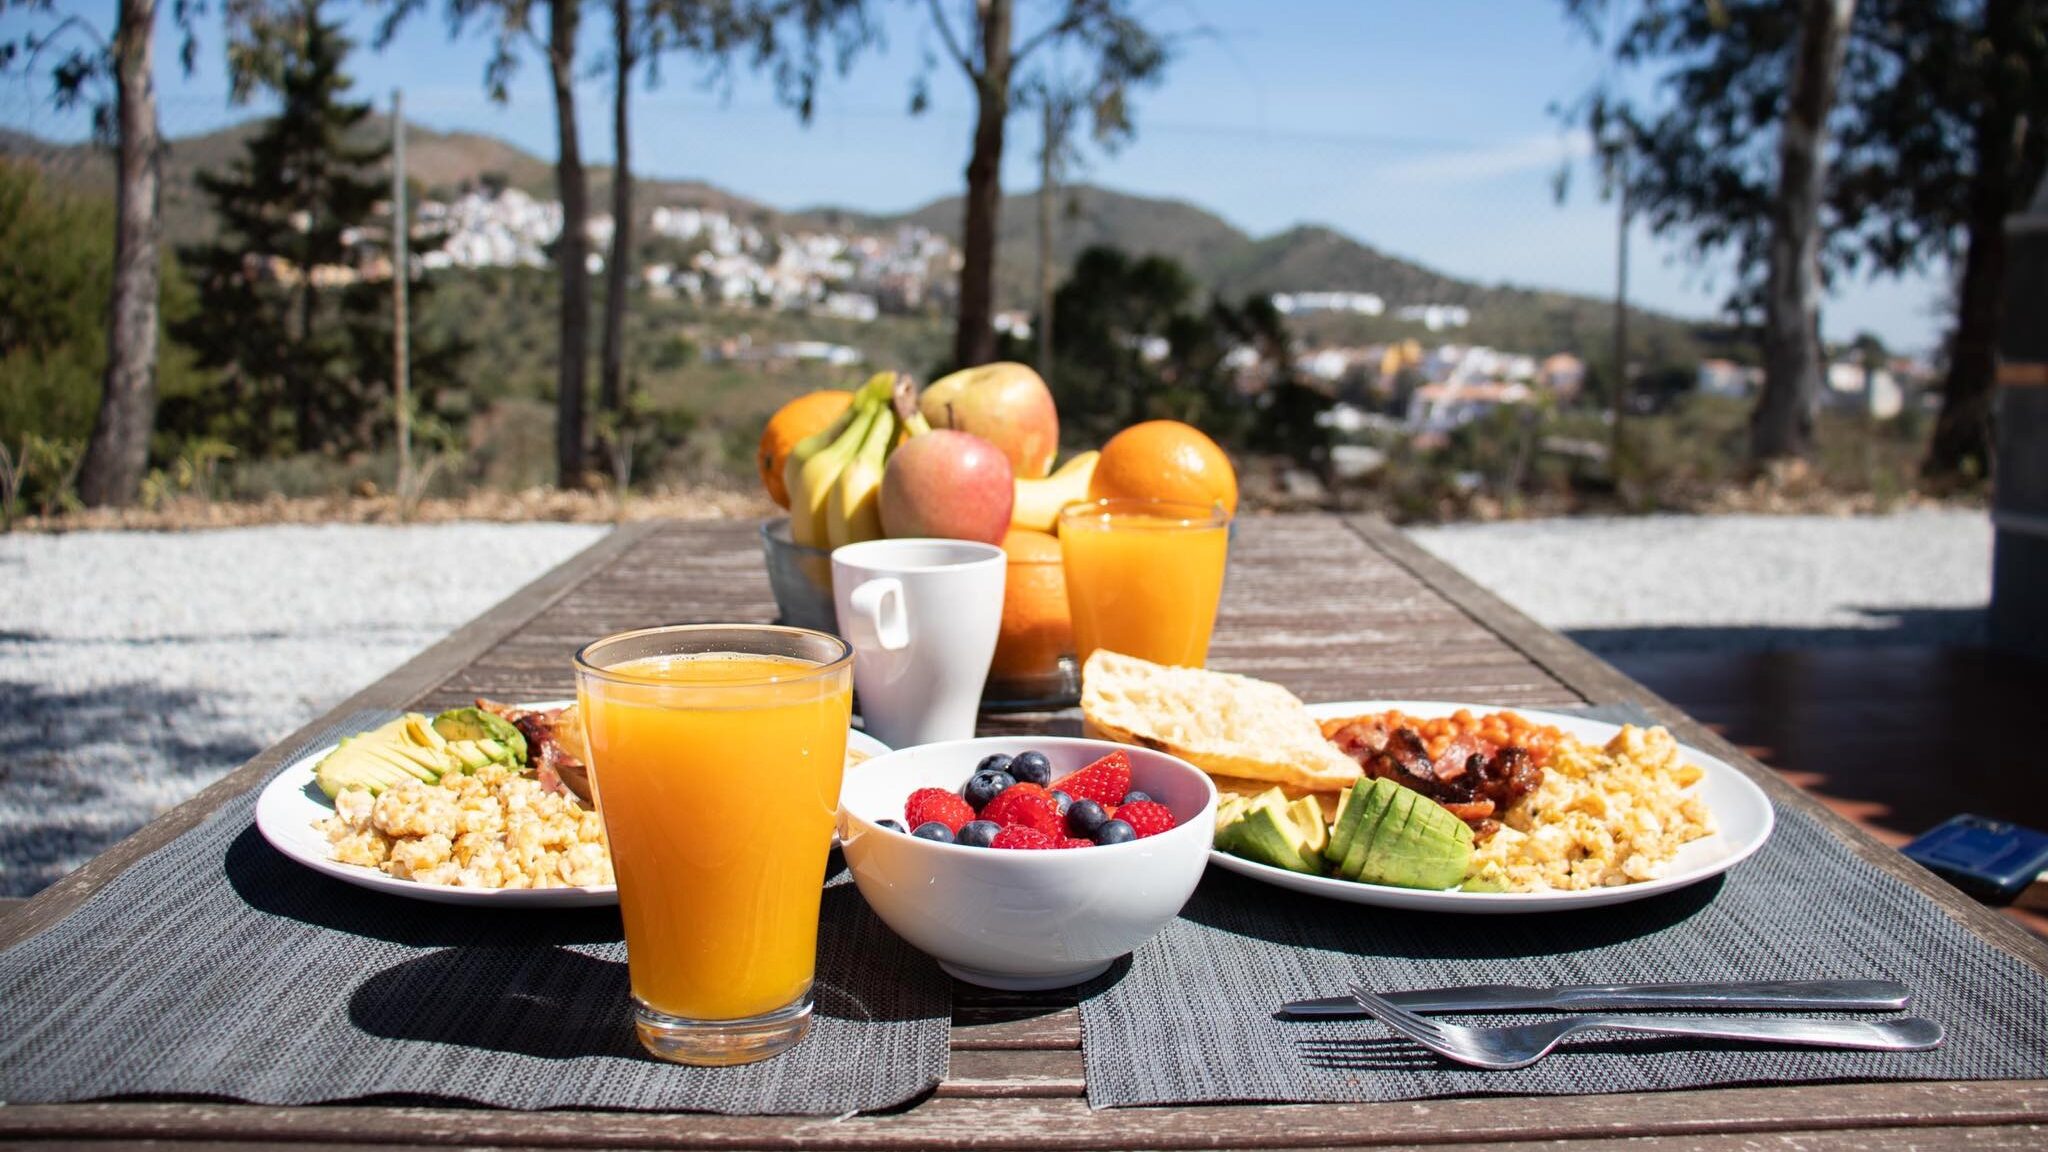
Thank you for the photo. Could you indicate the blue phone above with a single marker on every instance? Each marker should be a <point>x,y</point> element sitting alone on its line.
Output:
<point>1990,859</point>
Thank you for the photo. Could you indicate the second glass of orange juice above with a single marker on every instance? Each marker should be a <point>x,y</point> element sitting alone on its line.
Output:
<point>1144,577</point>
<point>715,755</point>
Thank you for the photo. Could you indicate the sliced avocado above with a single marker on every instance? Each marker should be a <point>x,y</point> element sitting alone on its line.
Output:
<point>1266,832</point>
<point>435,762</point>
<point>477,724</point>
<point>1430,849</point>
<point>1307,814</point>
<point>390,757</point>
<point>1378,797</point>
<point>419,730</point>
<point>471,755</point>
<point>1228,809</point>
<point>356,763</point>
<point>1349,806</point>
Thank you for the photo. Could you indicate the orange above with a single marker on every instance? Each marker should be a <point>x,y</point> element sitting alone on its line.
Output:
<point>1165,460</point>
<point>801,417</point>
<point>1036,629</point>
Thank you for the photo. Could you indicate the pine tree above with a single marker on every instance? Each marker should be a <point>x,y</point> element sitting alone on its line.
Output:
<point>292,308</point>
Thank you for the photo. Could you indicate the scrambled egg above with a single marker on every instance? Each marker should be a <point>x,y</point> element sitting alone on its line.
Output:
<point>496,829</point>
<point>1602,817</point>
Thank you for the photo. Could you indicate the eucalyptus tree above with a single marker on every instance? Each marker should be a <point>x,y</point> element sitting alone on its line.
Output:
<point>1122,54</point>
<point>113,72</point>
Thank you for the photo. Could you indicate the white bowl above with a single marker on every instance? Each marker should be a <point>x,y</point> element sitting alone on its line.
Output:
<point>1023,920</point>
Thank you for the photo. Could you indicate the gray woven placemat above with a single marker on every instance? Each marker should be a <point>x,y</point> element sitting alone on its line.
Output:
<point>1190,1020</point>
<point>217,967</point>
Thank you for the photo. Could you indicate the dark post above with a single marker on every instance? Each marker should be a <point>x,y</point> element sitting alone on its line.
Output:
<point>2019,507</point>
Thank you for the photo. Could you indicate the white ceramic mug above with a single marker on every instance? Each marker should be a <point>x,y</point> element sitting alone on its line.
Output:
<point>922,616</point>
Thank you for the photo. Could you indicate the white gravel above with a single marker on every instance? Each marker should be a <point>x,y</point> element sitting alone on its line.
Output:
<point>136,667</point>
<point>1679,582</point>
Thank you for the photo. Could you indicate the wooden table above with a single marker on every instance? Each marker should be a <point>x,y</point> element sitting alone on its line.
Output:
<point>1334,608</point>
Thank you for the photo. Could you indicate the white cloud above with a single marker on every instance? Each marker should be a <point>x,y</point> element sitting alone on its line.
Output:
<point>1507,158</point>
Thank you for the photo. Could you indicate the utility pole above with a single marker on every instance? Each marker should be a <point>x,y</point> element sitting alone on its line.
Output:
<point>1619,392</point>
<point>401,268</point>
<point>1048,169</point>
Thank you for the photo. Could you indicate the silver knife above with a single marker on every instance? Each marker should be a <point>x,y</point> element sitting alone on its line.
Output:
<point>1768,996</point>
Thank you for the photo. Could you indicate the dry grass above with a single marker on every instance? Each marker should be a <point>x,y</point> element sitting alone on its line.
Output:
<point>689,502</point>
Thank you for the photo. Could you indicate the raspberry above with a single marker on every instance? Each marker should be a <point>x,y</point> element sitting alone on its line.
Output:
<point>1027,806</point>
<point>1104,781</point>
<point>1021,837</point>
<point>1077,842</point>
<point>929,804</point>
<point>1146,817</point>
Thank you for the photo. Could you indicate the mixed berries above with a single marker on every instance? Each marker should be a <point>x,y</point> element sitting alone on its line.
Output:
<point>1009,802</point>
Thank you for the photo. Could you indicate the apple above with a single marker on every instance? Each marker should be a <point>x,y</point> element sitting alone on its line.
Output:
<point>1006,404</point>
<point>953,485</point>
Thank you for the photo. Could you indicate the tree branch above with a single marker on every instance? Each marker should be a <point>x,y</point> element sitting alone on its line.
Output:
<point>952,42</point>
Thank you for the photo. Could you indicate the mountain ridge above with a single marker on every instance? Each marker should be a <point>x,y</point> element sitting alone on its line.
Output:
<point>1230,262</point>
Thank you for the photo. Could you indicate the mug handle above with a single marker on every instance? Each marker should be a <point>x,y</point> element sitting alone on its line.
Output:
<point>878,604</point>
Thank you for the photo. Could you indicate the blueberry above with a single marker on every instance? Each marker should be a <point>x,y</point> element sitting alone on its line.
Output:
<point>1115,832</point>
<point>994,762</point>
<point>891,825</point>
<point>1031,768</point>
<point>933,830</point>
<point>1063,800</point>
<point>986,785</point>
<point>1132,797</point>
<point>978,833</point>
<point>1085,818</point>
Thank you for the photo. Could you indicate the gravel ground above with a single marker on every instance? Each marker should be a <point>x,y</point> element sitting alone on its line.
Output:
<point>136,667</point>
<point>1666,583</point>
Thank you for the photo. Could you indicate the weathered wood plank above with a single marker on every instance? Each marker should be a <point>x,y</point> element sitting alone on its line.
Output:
<point>1925,1109</point>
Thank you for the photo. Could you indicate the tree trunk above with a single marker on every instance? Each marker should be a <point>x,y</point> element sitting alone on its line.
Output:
<point>1962,435</point>
<point>974,341</point>
<point>1048,191</point>
<point>118,451</point>
<point>304,374</point>
<point>611,386</point>
<point>572,249</point>
<point>1782,426</point>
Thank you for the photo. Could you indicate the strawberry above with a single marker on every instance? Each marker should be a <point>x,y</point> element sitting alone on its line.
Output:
<point>1077,842</point>
<point>1027,806</point>
<point>1021,837</point>
<point>1104,781</point>
<point>928,804</point>
<point>1146,817</point>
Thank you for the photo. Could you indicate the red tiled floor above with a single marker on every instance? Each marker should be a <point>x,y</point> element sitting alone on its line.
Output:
<point>1896,739</point>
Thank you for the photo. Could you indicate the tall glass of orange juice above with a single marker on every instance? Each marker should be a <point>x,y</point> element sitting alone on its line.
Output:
<point>1144,576</point>
<point>715,757</point>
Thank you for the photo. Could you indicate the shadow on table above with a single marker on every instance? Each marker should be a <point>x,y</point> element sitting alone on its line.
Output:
<point>271,883</point>
<point>1232,903</point>
<point>550,1003</point>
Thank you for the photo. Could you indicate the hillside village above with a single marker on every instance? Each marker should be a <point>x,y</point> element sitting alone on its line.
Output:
<point>717,260</point>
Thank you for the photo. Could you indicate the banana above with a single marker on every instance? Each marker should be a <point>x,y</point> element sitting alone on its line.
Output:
<point>810,484</point>
<point>1039,501</point>
<point>853,512</point>
<point>909,421</point>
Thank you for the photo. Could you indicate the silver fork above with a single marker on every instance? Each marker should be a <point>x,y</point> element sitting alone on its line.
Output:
<point>1518,1046</point>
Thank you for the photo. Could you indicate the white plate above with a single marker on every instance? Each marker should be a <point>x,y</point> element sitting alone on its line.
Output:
<point>1742,817</point>
<point>292,803</point>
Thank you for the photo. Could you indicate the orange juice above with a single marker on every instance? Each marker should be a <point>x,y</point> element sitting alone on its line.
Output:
<point>717,775</point>
<point>1143,577</point>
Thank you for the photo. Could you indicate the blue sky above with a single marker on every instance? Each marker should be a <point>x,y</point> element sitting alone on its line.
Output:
<point>1418,126</point>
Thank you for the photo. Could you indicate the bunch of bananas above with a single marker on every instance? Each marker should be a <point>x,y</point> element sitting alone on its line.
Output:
<point>835,477</point>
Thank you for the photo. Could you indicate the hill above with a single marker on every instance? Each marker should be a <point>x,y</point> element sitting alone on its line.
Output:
<point>1229,262</point>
